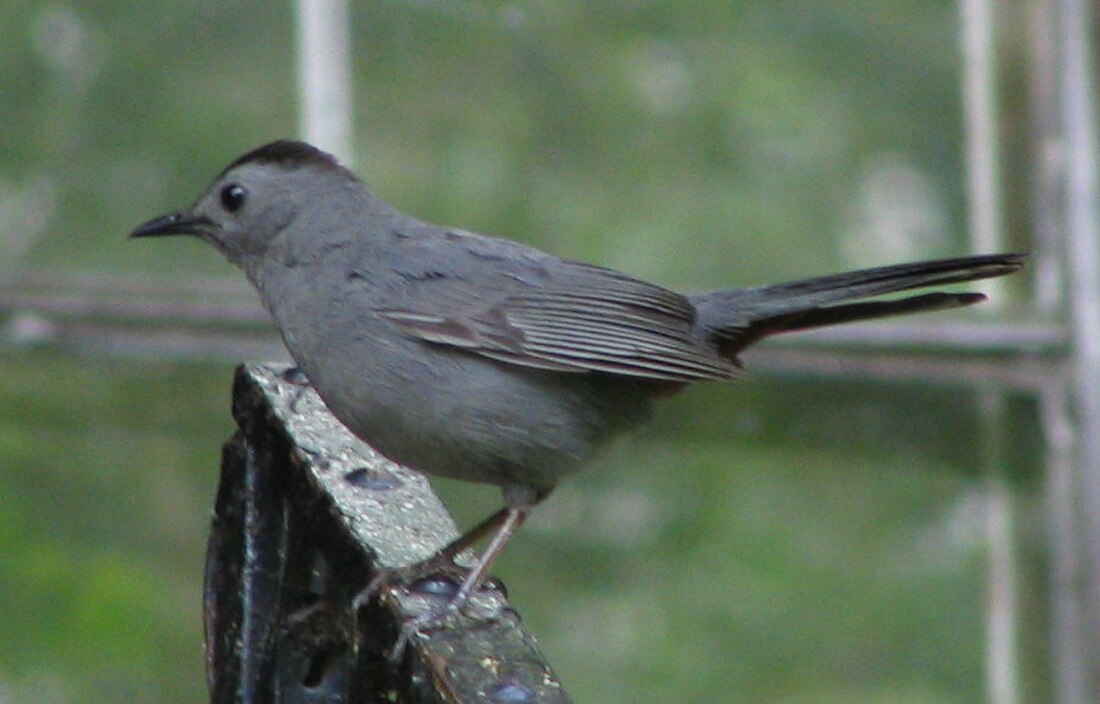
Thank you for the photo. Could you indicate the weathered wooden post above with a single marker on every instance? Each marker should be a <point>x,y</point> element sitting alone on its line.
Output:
<point>305,514</point>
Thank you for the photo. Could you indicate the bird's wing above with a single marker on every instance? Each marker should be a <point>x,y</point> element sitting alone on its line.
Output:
<point>573,317</point>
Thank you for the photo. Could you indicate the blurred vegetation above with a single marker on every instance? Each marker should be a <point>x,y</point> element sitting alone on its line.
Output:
<point>784,541</point>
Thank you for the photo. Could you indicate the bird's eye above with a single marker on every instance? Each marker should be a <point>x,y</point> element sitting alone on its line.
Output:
<point>233,197</point>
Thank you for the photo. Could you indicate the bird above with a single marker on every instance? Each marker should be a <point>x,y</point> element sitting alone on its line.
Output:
<point>487,360</point>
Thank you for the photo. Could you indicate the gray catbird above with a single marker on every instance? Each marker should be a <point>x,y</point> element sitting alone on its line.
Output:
<point>486,360</point>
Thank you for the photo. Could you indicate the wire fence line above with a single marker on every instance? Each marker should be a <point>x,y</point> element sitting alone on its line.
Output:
<point>95,304</point>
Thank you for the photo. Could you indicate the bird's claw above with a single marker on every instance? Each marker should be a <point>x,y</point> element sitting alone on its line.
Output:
<point>424,623</point>
<point>444,602</point>
<point>407,576</point>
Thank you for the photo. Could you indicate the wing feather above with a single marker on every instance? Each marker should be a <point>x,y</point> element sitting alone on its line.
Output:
<point>582,318</point>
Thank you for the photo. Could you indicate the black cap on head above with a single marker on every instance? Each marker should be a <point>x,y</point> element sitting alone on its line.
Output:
<point>286,152</point>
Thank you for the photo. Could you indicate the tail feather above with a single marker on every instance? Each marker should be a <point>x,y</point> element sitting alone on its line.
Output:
<point>736,318</point>
<point>869,310</point>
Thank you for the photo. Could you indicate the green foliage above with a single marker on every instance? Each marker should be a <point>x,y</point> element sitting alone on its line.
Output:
<point>735,134</point>
<point>108,475</point>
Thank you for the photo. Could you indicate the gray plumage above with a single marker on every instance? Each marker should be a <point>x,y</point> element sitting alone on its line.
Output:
<point>484,359</point>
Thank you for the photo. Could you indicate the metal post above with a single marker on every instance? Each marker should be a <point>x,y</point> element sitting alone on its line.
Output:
<point>1082,218</point>
<point>324,75</point>
<point>982,133</point>
<point>1068,640</point>
<point>983,176</point>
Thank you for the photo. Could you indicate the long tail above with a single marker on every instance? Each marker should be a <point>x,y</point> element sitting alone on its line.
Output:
<point>735,318</point>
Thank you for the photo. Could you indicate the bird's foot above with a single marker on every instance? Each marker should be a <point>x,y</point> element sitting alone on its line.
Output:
<point>438,564</point>
<point>438,592</point>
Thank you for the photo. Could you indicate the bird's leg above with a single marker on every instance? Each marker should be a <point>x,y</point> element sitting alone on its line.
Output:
<point>442,559</point>
<point>505,522</point>
<point>513,518</point>
<point>519,499</point>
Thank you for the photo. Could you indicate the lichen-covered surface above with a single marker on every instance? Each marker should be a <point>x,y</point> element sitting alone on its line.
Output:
<point>357,511</point>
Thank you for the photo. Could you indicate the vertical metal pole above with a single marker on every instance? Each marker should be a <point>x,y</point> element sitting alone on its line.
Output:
<point>1082,207</point>
<point>979,95</point>
<point>1068,605</point>
<point>979,88</point>
<point>324,75</point>
<point>1069,608</point>
<point>1002,592</point>
<point>1047,160</point>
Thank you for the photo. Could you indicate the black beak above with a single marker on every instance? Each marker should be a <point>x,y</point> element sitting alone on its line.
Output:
<point>174,224</point>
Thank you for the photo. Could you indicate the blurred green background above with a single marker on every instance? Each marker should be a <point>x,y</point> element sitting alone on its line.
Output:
<point>786,540</point>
